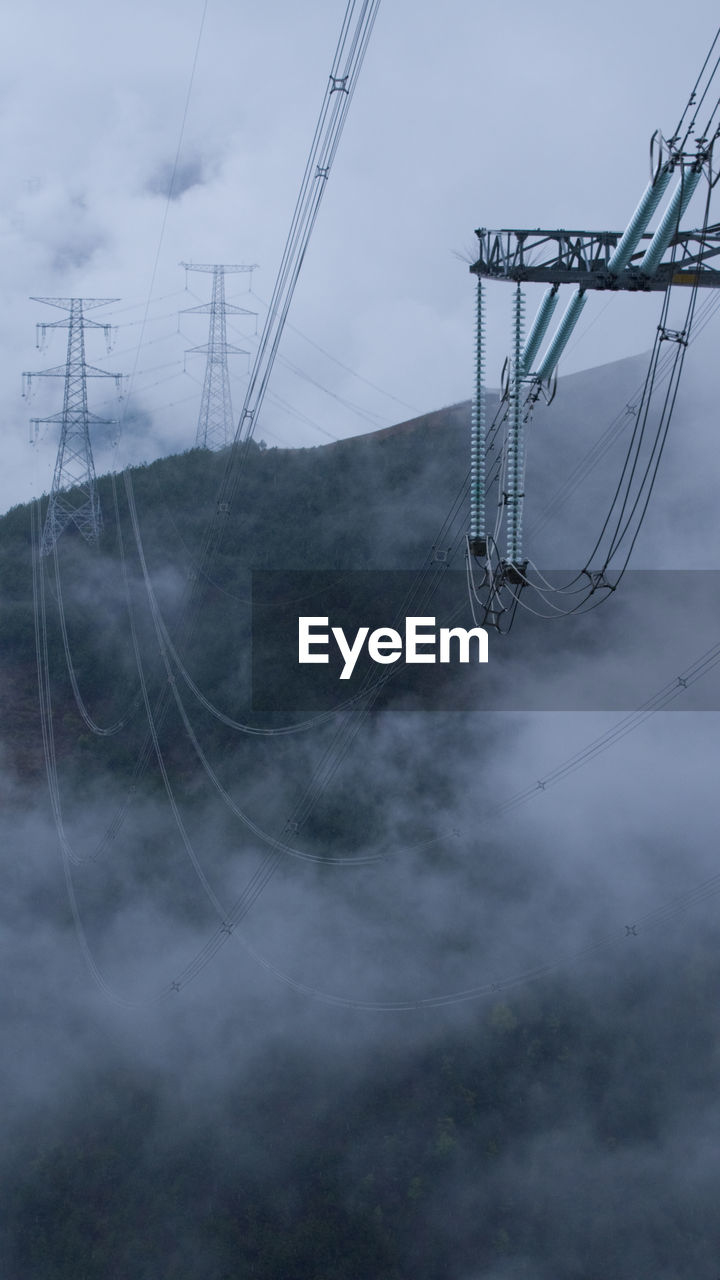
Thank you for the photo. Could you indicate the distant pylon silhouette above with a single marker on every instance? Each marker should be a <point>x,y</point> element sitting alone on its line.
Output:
<point>73,496</point>
<point>216,428</point>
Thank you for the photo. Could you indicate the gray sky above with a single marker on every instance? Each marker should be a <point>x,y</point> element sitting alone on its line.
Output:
<point>465,115</point>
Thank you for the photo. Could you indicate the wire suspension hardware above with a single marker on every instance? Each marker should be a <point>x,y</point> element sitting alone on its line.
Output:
<point>73,496</point>
<point>216,427</point>
<point>516,443</point>
<point>478,539</point>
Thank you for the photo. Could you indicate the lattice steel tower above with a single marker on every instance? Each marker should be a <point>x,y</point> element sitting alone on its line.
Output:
<point>216,429</point>
<point>73,496</point>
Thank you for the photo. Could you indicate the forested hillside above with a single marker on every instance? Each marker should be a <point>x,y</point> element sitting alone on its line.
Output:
<point>331,1096</point>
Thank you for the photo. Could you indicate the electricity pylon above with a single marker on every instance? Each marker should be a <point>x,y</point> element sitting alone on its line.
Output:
<point>216,428</point>
<point>73,496</point>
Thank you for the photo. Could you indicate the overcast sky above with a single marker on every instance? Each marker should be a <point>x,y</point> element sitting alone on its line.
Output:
<point>466,114</point>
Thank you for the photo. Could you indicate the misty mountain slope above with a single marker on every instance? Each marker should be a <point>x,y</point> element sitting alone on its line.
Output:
<point>555,1129</point>
<point>376,501</point>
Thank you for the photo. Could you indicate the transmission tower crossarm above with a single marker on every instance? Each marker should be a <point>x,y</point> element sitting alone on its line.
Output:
<point>65,304</point>
<point>213,266</point>
<point>583,258</point>
<point>205,308</point>
<point>64,324</point>
<point>207,349</point>
<point>60,371</point>
<point>92,419</point>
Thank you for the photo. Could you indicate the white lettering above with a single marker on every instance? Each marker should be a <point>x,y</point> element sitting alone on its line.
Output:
<point>382,649</point>
<point>350,655</point>
<point>413,637</point>
<point>385,645</point>
<point>305,639</point>
<point>463,637</point>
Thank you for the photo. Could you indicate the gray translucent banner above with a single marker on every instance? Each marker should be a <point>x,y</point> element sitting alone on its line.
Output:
<point>655,634</point>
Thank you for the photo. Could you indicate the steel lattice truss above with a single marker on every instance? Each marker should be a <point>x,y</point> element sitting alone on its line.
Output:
<point>73,496</point>
<point>583,257</point>
<point>216,429</point>
<point>634,260</point>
